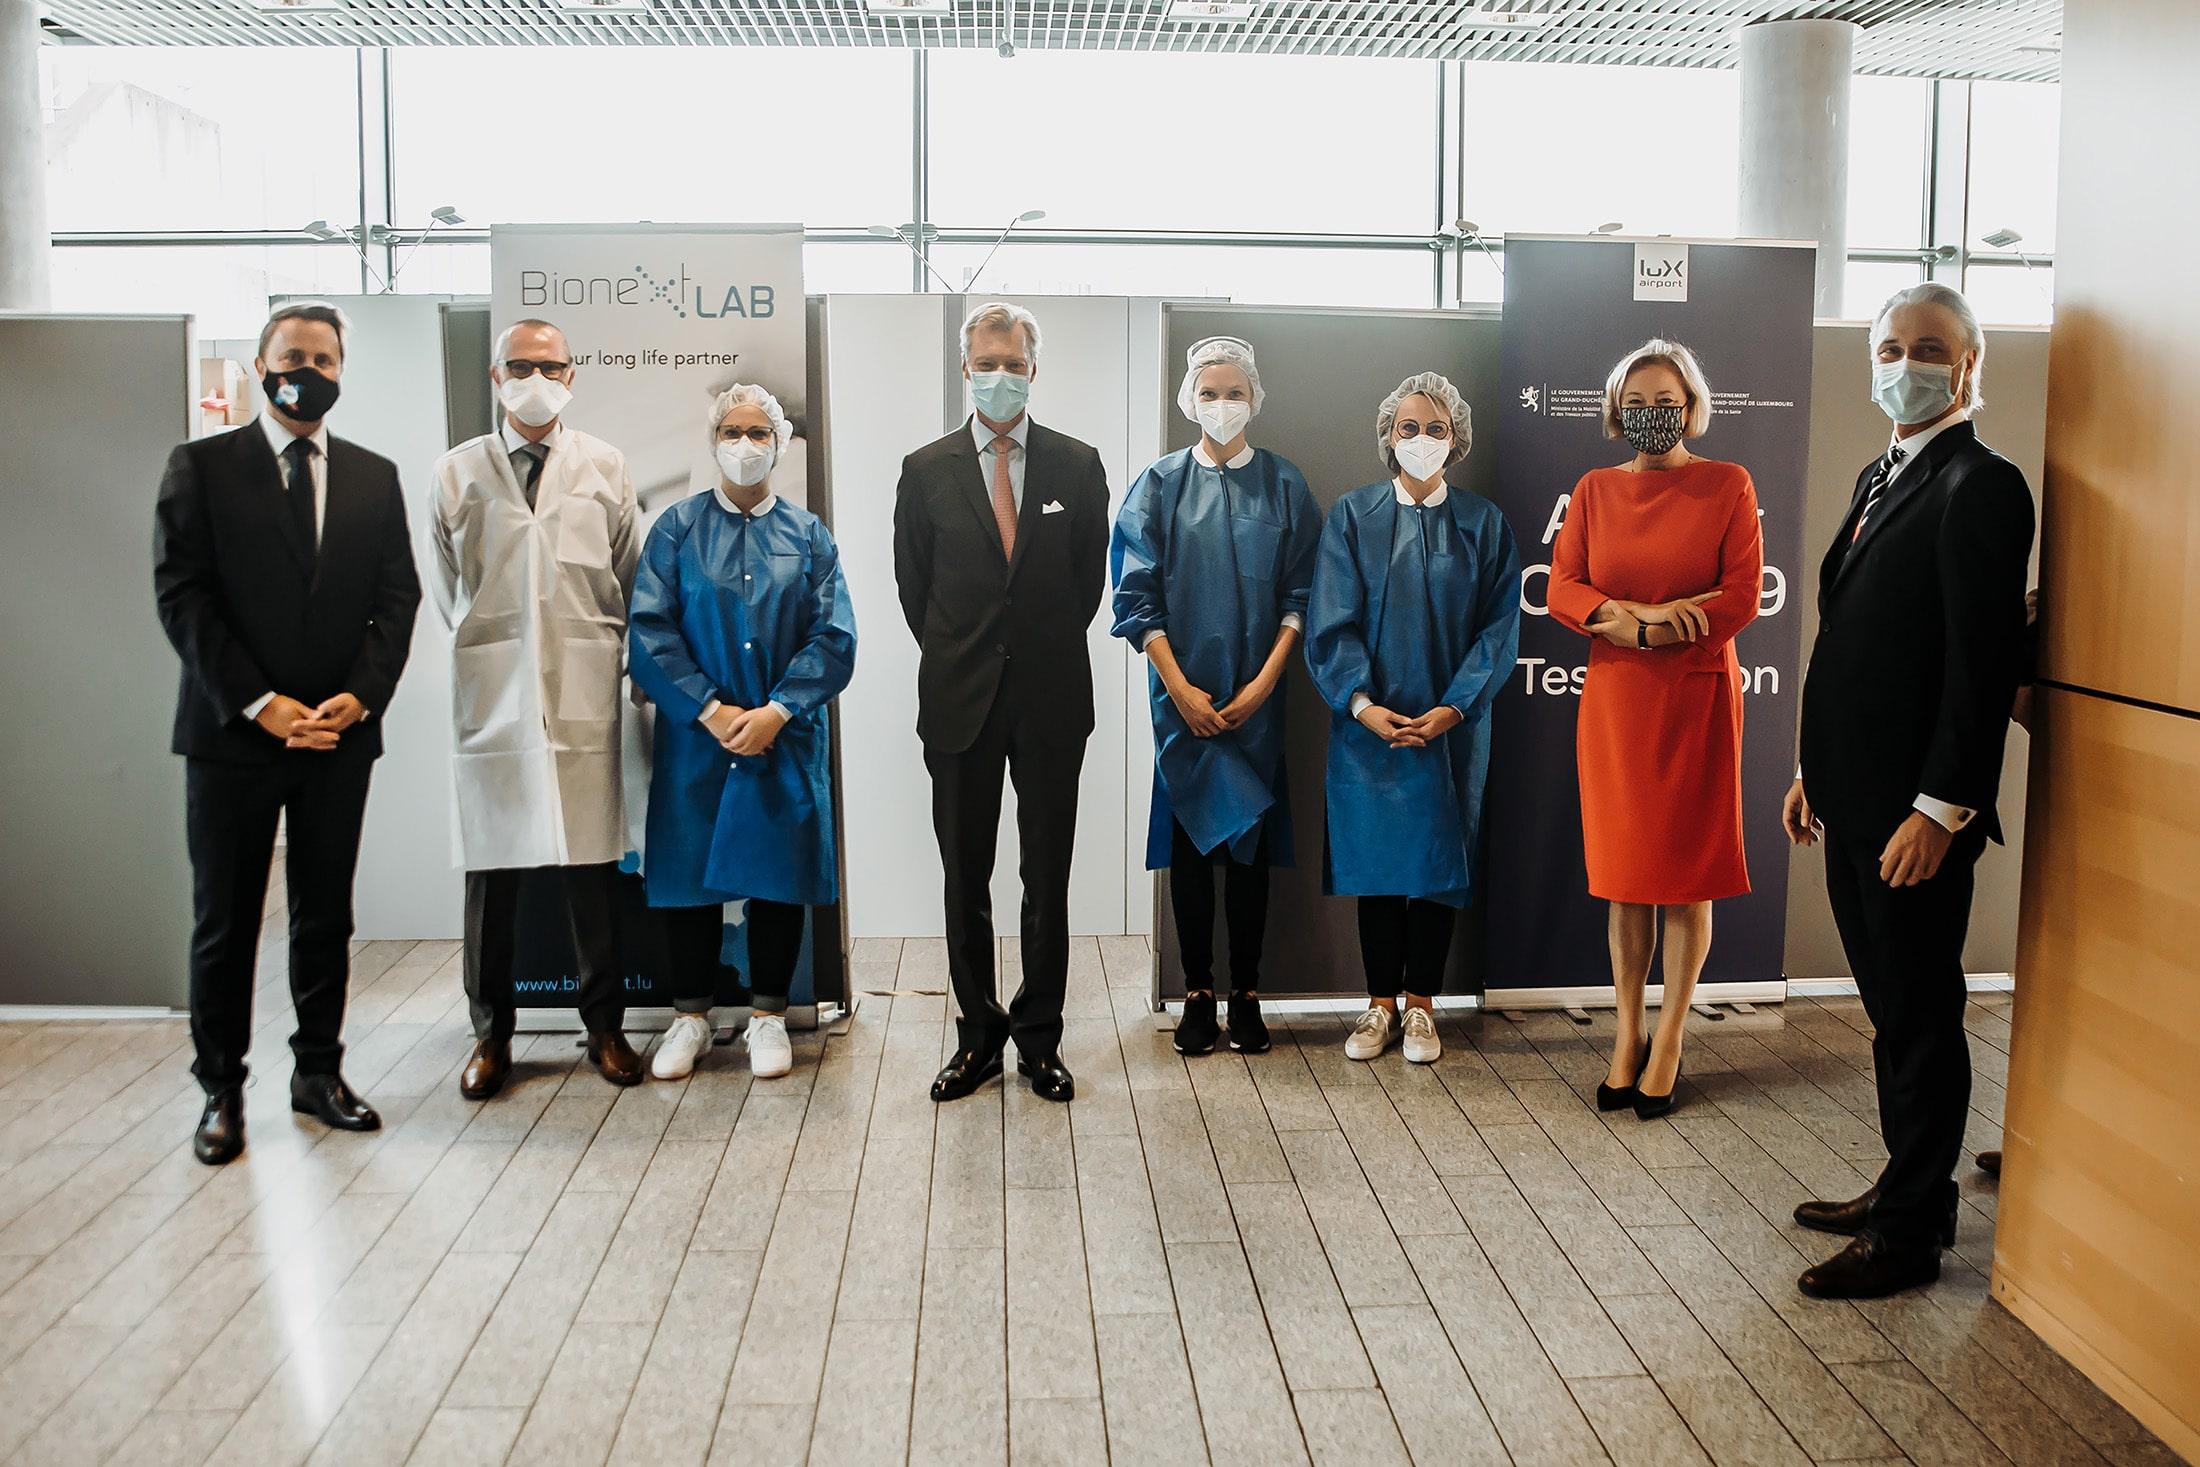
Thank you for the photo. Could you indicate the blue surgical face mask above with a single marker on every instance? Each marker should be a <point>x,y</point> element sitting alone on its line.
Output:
<point>1913,392</point>
<point>1000,396</point>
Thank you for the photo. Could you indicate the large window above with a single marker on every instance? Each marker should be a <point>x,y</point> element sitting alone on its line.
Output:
<point>190,139</point>
<point>1160,141</point>
<point>225,286</point>
<point>1251,274</point>
<point>1890,142</point>
<point>2015,138</point>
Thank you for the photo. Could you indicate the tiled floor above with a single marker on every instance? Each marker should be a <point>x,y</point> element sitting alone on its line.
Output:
<point>1285,1259</point>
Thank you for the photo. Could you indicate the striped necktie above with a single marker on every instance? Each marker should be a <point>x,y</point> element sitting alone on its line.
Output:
<point>1880,478</point>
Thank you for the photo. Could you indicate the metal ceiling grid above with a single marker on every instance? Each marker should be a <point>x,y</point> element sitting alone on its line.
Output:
<point>2005,40</point>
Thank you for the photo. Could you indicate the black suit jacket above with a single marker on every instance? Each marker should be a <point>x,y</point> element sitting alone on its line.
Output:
<point>230,580</point>
<point>1920,642</point>
<point>974,612</point>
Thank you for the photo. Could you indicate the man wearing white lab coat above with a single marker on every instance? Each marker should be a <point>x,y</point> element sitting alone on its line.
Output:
<point>536,542</point>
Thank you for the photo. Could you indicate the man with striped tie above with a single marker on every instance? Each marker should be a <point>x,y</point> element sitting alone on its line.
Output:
<point>1905,709</point>
<point>1000,546</point>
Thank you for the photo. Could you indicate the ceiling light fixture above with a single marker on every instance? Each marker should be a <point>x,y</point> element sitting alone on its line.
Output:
<point>1507,19</point>
<point>1211,12</point>
<point>910,7</point>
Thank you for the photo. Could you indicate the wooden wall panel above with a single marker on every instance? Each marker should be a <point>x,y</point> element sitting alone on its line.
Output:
<point>2097,1244</point>
<point>2121,526</point>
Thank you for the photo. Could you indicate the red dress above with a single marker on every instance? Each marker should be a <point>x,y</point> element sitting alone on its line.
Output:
<point>1658,742</point>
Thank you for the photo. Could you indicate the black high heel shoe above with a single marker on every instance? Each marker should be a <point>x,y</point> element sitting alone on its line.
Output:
<point>1649,1107</point>
<point>1619,1097</point>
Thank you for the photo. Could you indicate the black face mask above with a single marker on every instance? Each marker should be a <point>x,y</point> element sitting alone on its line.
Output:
<point>301,393</point>
<point>1651,431</point>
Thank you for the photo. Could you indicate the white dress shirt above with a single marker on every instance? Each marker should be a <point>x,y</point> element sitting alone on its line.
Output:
<point>1361,702</point>
<point>1020,433</point>
<point>1950,817</point>
<point>279,438</point>
<point>764,507</point>
<point>1239,460</point>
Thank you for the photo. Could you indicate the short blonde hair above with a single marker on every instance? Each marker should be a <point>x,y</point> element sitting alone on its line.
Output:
<point>1657,351</point>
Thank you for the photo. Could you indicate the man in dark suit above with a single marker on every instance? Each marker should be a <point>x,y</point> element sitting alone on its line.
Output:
<point>284,576</point>
<point>1000,543</point>
<point>1905,710</point>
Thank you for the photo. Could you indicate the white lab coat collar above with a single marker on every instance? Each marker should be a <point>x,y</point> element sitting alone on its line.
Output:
<point>764,506</point>
<point>1436,496</point>
<point>279,436</point>
<point>513,443</point>
<point>1916,443</point>
<point>1244,456</point>
<point>981,435</point>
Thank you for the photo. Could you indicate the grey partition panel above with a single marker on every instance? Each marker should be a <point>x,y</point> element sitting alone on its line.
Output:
<point>1324,374</point>
<point>95,886</point>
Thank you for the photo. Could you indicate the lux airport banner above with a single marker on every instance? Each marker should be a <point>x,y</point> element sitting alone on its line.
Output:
<point>660,319</point>
<point>1573,307</point>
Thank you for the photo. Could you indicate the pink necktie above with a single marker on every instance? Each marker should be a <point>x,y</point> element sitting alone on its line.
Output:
<point>1004,495</point>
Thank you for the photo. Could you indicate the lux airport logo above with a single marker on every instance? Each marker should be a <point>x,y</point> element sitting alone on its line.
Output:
<point>680,293</point>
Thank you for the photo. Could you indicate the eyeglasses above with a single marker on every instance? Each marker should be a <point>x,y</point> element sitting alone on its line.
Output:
<point>1433,430</point>
<point>754,435</point>
<point>555,371</point>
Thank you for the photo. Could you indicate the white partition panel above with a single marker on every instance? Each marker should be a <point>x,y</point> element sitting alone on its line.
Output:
<point>409,883</point>
<point>894,386</point>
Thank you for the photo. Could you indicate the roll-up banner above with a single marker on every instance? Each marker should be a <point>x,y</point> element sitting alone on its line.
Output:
<point>660,318</point>
<point>1573,308</point>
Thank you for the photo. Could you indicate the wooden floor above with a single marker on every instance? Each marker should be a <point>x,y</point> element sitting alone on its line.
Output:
<point>1286,1259</point>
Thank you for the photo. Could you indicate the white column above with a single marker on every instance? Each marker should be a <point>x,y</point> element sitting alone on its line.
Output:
<point>25,246</point>
<point>1795,139</point>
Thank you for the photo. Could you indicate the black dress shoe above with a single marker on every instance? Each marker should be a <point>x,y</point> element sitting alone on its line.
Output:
<point>1850,1217</point>
<point>1196,1032</point>
<point>1248,1030</point>
<point>1989,1162</point>
<point>1649,1107</point>
<point>220,1137</point>
<point>1871,1268</point>
<point>1049,1080</point>
<point>329,1100</point>
<point>1620,1097</point>
<point>964,1073</point>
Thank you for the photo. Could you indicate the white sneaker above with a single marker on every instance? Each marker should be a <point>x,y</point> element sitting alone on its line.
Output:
<point>681,1047</point>
<point>1422,1047</point>
<point>1370,1035</point>
<point>770,1055</point>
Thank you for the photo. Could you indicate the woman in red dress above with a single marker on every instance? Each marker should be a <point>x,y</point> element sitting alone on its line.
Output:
<point>1660,562</point>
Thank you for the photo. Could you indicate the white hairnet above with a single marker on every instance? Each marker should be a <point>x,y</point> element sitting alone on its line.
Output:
<point>1437,389</point>
<point>748,394</point>
<point>1213,352</point>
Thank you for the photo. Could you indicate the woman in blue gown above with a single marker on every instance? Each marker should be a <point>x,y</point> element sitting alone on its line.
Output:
<point>741,633</point>
<point>1413,628</point>
<point>1213,558</point>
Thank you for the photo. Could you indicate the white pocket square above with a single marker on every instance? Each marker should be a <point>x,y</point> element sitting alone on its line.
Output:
<point>1052,506</point>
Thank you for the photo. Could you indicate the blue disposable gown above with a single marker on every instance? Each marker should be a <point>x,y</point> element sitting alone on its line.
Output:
<point>749,610</point>
<point>1216,557</point>
<point>1416,607</point>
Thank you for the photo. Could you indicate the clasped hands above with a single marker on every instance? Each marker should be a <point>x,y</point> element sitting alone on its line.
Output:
<point>1197,707</point>
<point>746,732</point>
<point>300,727</point>
<point>1401,732</point>
<point>1618,622</point>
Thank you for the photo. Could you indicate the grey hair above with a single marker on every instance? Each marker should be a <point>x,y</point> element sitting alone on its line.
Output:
<point>1657,351</point>
<point>320,311</point>
<point>1001,316</point>
<point>748,394</point>
<point>1437,389</point>
<point>504,337</point>
<point>1933,293</point>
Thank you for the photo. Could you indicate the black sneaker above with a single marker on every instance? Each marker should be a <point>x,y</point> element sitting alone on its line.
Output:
<point>1196,1032</point>
<point>1248,1031</point>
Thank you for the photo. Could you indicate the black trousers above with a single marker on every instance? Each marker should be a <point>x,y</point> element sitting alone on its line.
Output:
<point>695,935</point>
<point>1405,944</point>
<point>1905,946</point>
<point>230,815</point>
<point>1192,901</point>
<point>966,816</point>
<point>492,937</point>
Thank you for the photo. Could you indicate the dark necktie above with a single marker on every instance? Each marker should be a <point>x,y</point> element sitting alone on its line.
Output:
<point>1880,477</point>
<point>298,482</point>
<point>535,454</point>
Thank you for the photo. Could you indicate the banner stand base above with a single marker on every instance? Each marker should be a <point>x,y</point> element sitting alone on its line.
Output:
<point>1500,1001</point>
<point>727,1019</point>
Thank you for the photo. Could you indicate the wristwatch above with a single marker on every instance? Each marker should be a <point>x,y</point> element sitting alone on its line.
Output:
<point>1642,635</point>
